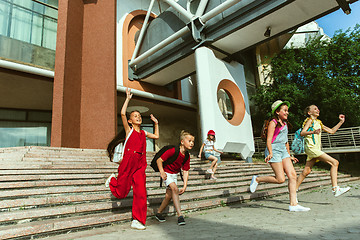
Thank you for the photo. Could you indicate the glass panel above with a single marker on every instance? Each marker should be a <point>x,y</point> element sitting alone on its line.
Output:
<point>49,37</point>
<point>37,28</point>
<point>29,22</point>
<point>21,24</point>
<point>225,104</point>
<point>12,115</point>
<point>13,134</point>
<point>4,17</point>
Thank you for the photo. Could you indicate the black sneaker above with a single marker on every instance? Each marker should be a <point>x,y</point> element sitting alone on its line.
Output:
<point>160,217</point>
<point>181,220</point>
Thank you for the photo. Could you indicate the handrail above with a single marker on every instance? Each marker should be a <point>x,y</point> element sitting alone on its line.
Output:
<point>345,139</point>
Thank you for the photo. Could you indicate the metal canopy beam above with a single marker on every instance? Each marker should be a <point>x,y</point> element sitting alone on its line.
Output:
<point>169,38</point>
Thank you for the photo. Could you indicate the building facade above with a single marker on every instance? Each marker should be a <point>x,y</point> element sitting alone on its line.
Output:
<point>64,67</point>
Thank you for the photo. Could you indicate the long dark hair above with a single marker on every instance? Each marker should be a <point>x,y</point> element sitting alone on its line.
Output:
<point>120,137</point>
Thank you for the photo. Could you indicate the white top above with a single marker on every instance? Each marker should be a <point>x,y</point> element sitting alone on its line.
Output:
<point>209,145</point>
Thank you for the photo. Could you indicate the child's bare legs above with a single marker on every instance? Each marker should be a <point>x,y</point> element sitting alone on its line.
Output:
<point>175,197</point>
<point>213,165</point>
<point>334,167</point>
<point>279,174</point>
<point>291,174</point>
<point>166,200</point>
<point>307,170</point>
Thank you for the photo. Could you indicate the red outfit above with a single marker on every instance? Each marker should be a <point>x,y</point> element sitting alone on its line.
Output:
<point>175,167</point>
<point>131,172</point>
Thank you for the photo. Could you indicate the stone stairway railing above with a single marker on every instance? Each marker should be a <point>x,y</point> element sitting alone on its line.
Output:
<point>54,190</point>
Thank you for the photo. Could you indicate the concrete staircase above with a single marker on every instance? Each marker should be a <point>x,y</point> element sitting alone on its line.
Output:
<point>46,191</point>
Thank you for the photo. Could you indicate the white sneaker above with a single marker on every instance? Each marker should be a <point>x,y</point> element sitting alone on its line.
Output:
<point>135,224</point>
<point>298,208</point>
<point>210,171</point>
<point>339,191</point>
<point>253,184</point>
<point>107,183</point>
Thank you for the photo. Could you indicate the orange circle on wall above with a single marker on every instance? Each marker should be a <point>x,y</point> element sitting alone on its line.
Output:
<point>236,99</point>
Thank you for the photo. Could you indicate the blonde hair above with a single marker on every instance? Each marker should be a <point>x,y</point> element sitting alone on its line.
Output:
<point>183,134</point>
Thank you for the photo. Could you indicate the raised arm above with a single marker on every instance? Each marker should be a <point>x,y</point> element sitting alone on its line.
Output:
<point>154,135</point>
<point>123,111</point>
<point>336,127</point>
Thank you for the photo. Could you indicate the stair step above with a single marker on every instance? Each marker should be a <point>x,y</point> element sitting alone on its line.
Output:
<point>46,191</point>
<point>61,225</point>
<point>154,197</point>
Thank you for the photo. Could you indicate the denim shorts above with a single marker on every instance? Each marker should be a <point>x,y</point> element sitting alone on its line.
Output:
<point>208,154</point>
<point>279,152</point>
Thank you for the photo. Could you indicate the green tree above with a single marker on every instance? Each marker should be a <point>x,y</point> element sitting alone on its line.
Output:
<point>324,73</point>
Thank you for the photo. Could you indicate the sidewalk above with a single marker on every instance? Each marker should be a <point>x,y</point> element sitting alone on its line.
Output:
<point>329,218</point>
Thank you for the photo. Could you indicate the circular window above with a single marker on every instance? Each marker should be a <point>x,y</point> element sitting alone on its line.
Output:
<point>225,104</point>
<point>231,102</point>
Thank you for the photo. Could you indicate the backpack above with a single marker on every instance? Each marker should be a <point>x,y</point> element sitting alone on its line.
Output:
<point>170,160</point>
<point>297,146</point>
<point>119,149</point>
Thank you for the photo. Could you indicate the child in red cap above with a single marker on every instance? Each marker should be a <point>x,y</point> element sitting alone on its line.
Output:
<point>209,151</point>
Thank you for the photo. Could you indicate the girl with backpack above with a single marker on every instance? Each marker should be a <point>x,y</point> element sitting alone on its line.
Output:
<point>277,154</point>
<point>209,151</point>
<point>313,147</point>
<point>131,170</point>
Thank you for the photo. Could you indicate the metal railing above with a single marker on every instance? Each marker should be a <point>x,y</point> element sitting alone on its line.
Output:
<point>344,140</point>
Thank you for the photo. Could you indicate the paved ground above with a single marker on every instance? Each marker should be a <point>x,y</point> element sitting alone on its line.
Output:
<point>329,218</point>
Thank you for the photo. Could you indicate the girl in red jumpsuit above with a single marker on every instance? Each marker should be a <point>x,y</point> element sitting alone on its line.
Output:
<point>131,171</point>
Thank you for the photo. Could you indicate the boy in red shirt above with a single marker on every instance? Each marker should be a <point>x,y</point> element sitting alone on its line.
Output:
<point>169,174</point>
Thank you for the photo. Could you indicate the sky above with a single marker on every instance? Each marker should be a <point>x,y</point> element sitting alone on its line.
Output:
<point>339,20</point>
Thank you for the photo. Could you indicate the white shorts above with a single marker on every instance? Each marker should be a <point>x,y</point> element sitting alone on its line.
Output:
<point>170,178</point>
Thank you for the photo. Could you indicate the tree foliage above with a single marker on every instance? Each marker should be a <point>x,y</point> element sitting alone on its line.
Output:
<point>324,73</point>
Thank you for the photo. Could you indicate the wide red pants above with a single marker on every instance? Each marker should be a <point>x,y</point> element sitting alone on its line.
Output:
<point>131,172</point>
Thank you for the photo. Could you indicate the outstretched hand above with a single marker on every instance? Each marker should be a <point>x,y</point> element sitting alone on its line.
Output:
<point>342,117</point>
<point>128,93</point>
<point>154,119</point>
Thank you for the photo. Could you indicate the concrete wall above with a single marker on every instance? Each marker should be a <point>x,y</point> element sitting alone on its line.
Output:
<point>23,52</point>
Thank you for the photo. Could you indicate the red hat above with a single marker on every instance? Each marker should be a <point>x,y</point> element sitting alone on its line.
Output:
<point>211,132</point>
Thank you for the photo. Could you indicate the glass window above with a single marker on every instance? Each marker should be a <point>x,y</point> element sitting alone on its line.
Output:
<point>29,21</point>
<point>24,128</point>
<point>14,134</point>
<point>4,17</point>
